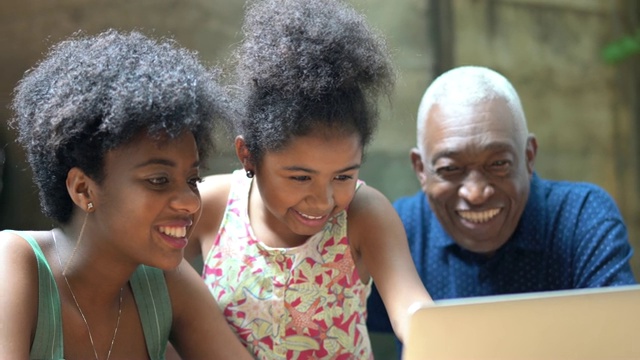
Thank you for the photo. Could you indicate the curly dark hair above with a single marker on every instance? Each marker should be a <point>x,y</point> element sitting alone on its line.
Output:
<point>305,64</point>
<point>92,94</point>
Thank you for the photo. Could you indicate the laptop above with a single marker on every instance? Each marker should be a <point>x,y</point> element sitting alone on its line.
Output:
<point>601,323</point>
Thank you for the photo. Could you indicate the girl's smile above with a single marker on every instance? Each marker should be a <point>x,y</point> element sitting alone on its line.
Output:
<point>300,187</point>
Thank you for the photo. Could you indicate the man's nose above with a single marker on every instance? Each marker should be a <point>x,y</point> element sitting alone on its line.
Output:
<point>476,189</point>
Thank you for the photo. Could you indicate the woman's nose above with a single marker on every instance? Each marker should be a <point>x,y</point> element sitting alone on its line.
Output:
<point>187,200</point>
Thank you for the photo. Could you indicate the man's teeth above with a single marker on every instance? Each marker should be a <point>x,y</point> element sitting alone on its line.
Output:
<point>174,231</point>
<point>478,217</point>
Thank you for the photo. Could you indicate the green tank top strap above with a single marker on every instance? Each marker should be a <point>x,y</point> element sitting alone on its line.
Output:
<point>47,343</point>
<point>150,293</point>
<point>154,306</point>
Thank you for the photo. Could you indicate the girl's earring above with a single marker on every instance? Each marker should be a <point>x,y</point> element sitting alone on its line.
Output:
<point>90,206</point>
<point>250,174</point>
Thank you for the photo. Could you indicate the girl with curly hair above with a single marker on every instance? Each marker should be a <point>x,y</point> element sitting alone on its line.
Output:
<point>292,242</point>
<point>114,127</point>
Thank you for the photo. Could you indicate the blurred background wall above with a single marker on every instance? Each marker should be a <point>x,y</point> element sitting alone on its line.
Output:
<point>572,61</point>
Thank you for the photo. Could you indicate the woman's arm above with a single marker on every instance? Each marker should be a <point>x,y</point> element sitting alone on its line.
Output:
<point>19,302</point>
<point>379,240</point>
<point>199,330</point>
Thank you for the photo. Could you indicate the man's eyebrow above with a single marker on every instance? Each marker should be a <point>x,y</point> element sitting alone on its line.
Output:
<point>493,146</point>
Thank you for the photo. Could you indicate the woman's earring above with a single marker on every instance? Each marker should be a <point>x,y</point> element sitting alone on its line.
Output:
<point>90,206</point>
<point>250,174</point>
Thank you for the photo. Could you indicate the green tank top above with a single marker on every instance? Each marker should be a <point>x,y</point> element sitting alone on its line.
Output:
<point>151,297</point>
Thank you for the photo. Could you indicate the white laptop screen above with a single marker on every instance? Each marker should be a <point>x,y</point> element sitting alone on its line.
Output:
<point>601,323</point>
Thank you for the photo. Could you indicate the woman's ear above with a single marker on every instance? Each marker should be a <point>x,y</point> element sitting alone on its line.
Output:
<point>80,189</point>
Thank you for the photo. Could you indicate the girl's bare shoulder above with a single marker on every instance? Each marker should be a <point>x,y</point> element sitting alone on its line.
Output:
<point>214,191</point>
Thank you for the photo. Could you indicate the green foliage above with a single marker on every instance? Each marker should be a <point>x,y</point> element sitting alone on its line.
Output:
<point>622,49</point>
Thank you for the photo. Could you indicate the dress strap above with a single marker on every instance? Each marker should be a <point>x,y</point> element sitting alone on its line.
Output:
<point>154,306</point>
<point>47,343</point>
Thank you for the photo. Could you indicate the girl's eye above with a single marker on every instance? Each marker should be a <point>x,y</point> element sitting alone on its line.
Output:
<point>157,181</point>
<point>300,178</point>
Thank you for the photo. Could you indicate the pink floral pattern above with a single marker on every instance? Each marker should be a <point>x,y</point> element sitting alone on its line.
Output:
<point>291,303</point>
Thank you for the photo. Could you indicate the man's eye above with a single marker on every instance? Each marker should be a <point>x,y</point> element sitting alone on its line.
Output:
<point>300,178</point>
<point>500,166</point>
<point>450,172</point>
<point>444,170</point>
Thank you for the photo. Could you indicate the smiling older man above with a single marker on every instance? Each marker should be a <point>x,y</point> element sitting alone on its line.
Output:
<point>484,222</point>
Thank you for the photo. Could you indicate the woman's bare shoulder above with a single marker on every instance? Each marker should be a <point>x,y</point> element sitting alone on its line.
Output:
<point>18,256</point>
<point>14,244</point>
<point>18,277</point>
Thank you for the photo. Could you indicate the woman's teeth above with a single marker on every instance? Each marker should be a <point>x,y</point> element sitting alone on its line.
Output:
<point>174,231</point>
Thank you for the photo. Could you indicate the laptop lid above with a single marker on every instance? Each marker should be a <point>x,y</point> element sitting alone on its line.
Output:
<point>602,323</point>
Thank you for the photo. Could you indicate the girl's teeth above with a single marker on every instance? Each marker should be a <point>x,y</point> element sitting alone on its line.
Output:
<point>310,217</point>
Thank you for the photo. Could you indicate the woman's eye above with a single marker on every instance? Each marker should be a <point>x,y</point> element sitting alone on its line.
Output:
<point>195,181</point>
<point>343,177</point>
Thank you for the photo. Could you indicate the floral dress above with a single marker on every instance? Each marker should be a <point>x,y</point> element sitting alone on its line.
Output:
<point>306,302</point>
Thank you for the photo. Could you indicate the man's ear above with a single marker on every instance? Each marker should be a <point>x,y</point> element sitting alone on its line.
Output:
<point>530,152</point>
<point>243,154</point>
<point>80,189</point>
<point>418,166</point>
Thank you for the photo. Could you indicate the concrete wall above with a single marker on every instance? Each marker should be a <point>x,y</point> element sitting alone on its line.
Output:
<point>29,27</point>
<point>210,27</point>
<point>582,110</point>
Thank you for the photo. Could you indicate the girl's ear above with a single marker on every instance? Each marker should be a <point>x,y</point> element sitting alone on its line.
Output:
<point>243,154</point>
<point>80,189</point>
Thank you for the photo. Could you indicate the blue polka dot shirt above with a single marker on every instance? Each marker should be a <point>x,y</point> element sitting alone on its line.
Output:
<point>571,235</point>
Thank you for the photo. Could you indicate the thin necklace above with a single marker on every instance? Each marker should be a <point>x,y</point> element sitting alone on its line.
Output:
<point>113,339</point>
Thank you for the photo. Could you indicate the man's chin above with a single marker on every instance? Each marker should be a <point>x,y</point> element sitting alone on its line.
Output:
<point>481,246</point>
